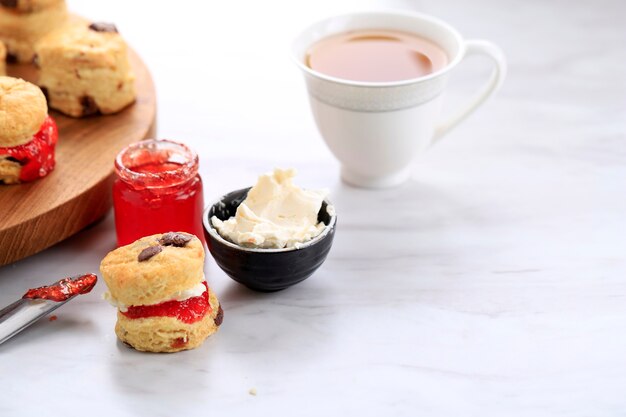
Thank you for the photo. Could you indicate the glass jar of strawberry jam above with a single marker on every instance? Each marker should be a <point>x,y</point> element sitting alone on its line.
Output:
<point>157,190</point>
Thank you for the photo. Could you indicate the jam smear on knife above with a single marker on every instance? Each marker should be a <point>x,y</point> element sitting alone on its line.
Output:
<point>64,289</point>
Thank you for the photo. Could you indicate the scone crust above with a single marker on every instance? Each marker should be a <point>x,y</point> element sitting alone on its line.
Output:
<point>167,334</point>
<point>76,44</point>
<point>172,270</point>
<point>85,71</point>
<point>23,110</point>
<point>3,59</point>
<point>9,170</point>
<point>29,6</point>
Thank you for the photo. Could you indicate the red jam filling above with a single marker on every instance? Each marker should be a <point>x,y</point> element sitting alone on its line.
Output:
<point>64,289</point>
<point>179,343</point>
<point>36,156</point>
<point>171,200</point>
<point>188,311</point>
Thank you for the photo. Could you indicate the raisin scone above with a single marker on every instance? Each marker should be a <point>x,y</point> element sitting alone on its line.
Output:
<point>85,70</point>
<point>23,24</point>
<point>158,286</point>
<point>28,136</point>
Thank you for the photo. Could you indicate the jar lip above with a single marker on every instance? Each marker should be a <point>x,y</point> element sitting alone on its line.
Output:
<point>156,151</point>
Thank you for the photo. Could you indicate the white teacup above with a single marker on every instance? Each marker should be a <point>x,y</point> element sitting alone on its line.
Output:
<point>376,129</point>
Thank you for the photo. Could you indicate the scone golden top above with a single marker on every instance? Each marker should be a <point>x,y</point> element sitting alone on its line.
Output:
<point>22,111</point>
<point>95,45</point>
<point>153,268</point>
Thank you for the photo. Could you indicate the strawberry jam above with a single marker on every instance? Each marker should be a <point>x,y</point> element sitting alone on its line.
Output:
<point>179,342</point>
<point>188,311</point>
<point>158,189</point>
<point>63,289</point>
<point>37,156</point>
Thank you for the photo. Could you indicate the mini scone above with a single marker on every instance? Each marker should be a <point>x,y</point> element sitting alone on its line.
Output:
<point>28,136</point>
<point>85,70</point>
<point>3,59</point>
<point>164,303</point>
<point>23,24</point>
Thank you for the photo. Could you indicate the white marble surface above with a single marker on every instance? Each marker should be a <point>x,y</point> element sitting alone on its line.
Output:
<point>492,284</point>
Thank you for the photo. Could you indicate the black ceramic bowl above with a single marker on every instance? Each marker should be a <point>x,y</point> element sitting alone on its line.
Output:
<point>265,269</point>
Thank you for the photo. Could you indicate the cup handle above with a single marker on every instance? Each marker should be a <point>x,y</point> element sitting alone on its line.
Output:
<point>474,47</point>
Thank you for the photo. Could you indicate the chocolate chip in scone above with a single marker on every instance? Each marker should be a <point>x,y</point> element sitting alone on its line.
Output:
<point>11,58</point>
<point>220,317</point>
<point>175,239</point>
<point>9,4</point>
<point>103,27</point>
<point>89,106</point>
<point>148,253</point>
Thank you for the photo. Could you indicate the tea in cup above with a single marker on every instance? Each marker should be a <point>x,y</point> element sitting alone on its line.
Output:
<point>376,81</point>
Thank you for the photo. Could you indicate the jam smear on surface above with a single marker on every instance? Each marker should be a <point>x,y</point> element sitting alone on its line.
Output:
<point>36,156</point>
<point>188,311</point>
<point>64,289</point>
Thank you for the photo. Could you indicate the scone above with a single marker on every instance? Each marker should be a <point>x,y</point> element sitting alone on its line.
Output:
<point>85,70</point>
<point>157,284</point>
<point>28,136</point>
<point>3,59</point>
<point>24,23</point>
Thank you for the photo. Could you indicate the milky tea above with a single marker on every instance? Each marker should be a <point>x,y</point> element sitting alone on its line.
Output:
<point>376,55</point>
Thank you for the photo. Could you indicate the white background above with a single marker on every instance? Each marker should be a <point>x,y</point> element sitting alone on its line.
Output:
<point>493,283</point>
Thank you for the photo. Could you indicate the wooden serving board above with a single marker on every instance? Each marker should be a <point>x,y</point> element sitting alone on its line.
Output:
<point>36,215</point>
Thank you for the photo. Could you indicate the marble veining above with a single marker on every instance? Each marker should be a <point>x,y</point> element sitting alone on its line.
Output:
<point>492,284</point>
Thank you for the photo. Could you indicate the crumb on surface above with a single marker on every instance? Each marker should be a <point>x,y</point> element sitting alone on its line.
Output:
<point>252,391</point>
<point>53,317</point>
